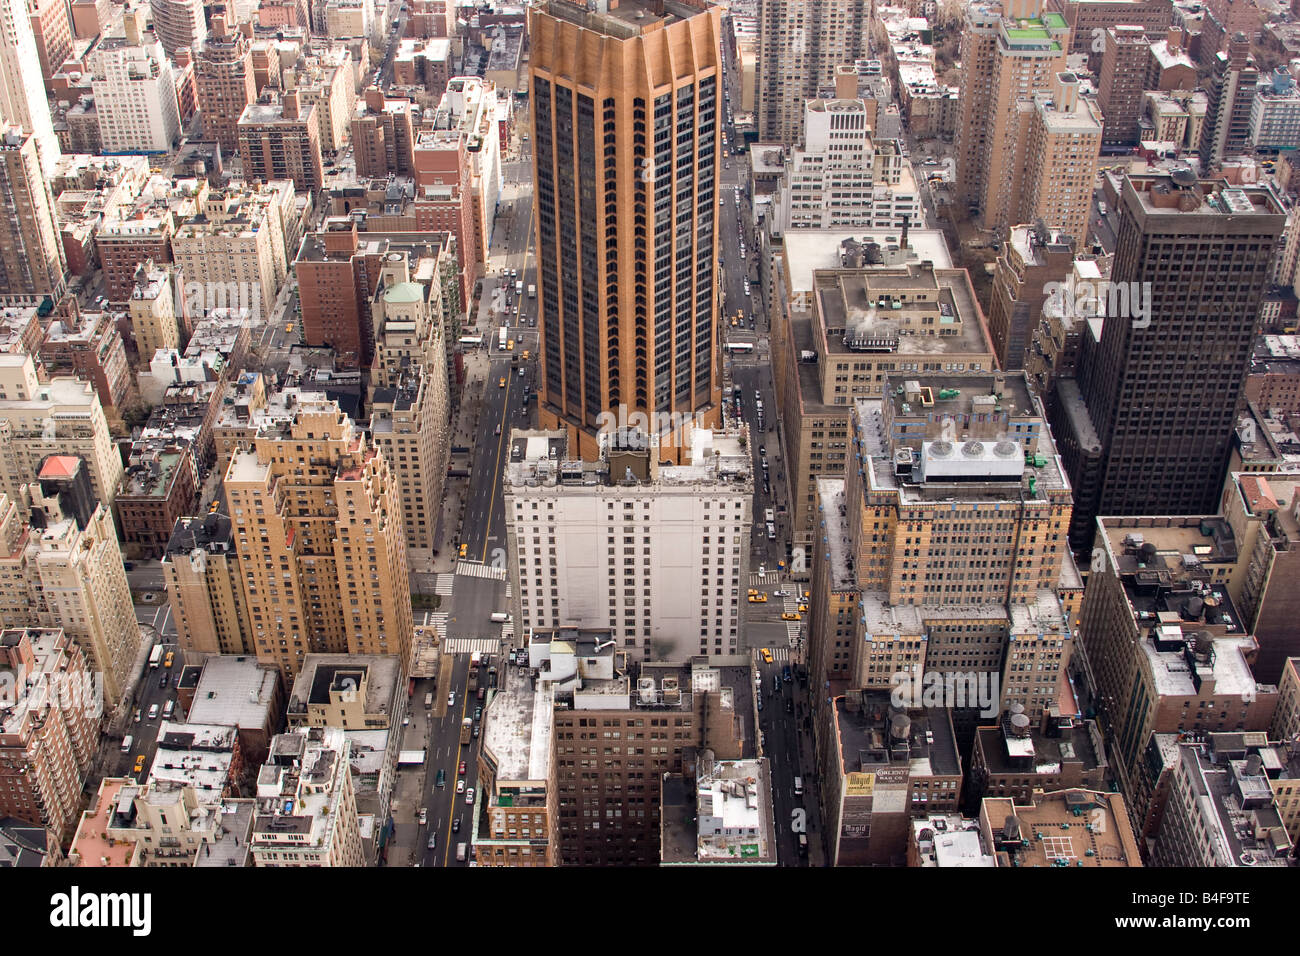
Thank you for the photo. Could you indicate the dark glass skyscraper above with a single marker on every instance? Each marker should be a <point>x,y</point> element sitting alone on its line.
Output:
<point>1161,378</point>
<point>625,110</point>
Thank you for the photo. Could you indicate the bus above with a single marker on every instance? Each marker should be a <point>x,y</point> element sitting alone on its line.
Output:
<point>471,341</point>
<point>740,347</point>
<point>501,339</point>
<point>155,656</point>
<point>466,728</point>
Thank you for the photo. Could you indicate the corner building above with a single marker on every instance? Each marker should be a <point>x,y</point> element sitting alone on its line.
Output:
<point>625,106</point>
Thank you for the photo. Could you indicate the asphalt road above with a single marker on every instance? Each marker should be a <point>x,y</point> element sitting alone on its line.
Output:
<point>446,807</point>
<point>148,692</point>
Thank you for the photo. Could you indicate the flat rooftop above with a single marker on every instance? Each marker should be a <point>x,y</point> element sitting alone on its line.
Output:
<point>518,726</point>
<point>236,691</point>
<point>910,310</point>
<point>950,840</point>
<point>807,250</point>
<point>835,533</point>
<point>1097,835</point>
<point>866,736</point>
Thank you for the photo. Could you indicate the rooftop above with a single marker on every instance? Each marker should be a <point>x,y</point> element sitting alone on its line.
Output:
<point>835,533</point>
<point>950,840</point>
<point>908,310</point>
<point>629,19</point>
<point>808,250</point>
<point>517,727</point>
<point>235,691</point>
<point>194,755</point>
<point>873,736</point>
<point>1064,828</point>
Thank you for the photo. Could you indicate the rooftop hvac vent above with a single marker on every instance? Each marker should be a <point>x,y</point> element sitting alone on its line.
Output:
<point>1006,449</point>
<point>972,449</point>
<point>940,449</point>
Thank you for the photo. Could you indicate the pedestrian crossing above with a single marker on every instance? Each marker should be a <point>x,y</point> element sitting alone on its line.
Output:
<point>508,631</point>
<point>768,578</point>
<point>444,585</point>
<point>780,655</point>
<point>470,645</point>
<point>438,621</point>
<point>475,569</point>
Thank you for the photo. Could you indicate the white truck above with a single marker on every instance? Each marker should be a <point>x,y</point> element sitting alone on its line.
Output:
<point>519,287</point>
<point>532,292</point>
<point>500,617</point>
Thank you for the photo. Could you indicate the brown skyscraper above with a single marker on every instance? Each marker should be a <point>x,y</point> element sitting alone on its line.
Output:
<point>31,257</point>
<point>625,101</point>
<point>223,74</point>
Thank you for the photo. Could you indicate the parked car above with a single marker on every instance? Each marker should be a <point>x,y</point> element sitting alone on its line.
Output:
<point>424,816</point>
<point>460,786</point>
<point>469,795</point>
<point>461,771</point>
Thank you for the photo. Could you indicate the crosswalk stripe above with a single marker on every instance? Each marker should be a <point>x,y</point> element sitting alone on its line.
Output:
<point>444,584</point>
<point>475,569</point>
<point>780,655</point>
<point>468,645</point>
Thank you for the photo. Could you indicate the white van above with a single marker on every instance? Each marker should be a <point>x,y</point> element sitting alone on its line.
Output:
<point>168,709</point>
<point>798,786</point>
<point>127,741</point>
<point>500,617</point>
<point>462,850</point>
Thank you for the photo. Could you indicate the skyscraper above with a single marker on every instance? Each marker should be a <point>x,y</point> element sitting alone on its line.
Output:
<point>32,261</point>
<point>179,23</point>
<point>22,88</point>
<point>1009,52</point>
<point>1162,381</point>
<point>319,539</point>
<point>800,43</point>
<point>625,107</point>
<point>223,77</point>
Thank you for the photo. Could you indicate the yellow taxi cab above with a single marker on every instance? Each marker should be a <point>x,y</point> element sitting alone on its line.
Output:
<point>752,591</point>
<point>767,656</point>
<point>139,764</point>
<point>807,595</point>
<point>502,382</point>
<point>525,355</point>
<point>288,326</point>
<point>464,550</point>
<point>171,656</point>
<point>758,599</point>
<point>803,608</point>
<point>510,345</point>
<point>791,616</point>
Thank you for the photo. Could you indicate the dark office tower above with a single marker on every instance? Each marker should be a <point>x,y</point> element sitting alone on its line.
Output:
<point>1162,387</point>
<point>625,111</point>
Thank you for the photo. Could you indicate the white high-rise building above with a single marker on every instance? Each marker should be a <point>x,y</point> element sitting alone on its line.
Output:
<point>22,88</point>
<point>840,177</point>
<point>135,96</point>
<point>656,554</point>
